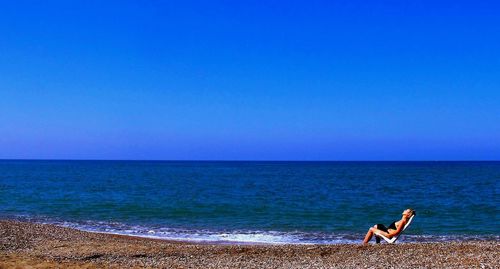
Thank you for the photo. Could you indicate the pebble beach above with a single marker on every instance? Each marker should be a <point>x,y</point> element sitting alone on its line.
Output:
<point>33,245</point>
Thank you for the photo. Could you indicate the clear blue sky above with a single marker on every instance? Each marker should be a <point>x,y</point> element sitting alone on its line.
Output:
<point>251,80</point>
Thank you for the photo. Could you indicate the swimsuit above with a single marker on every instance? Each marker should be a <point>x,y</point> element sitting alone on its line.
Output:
<point>386,229</point>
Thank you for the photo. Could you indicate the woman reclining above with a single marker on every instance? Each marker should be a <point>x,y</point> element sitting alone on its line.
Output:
<point>393,230</point>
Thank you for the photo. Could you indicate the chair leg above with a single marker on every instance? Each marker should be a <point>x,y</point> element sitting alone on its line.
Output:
<point>377,239</point>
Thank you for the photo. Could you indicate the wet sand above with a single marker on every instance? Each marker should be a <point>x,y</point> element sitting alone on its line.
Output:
<point>30,245</point>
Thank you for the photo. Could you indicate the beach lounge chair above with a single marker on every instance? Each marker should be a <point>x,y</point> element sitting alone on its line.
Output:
<point>394,238</point>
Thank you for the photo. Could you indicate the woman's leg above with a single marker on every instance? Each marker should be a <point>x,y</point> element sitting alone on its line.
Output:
<point>369,234</point>
<point>372,230</point>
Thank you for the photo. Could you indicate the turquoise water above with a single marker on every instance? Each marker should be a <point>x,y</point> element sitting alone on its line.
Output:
<point>276,202</point>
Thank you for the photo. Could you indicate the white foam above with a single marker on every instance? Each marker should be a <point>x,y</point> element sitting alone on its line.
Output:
<point>219,237</point>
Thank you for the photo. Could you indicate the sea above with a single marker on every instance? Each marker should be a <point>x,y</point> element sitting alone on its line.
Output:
<point>256,202</point>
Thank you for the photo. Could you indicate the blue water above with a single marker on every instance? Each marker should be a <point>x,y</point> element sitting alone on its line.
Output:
<point>272,202</point>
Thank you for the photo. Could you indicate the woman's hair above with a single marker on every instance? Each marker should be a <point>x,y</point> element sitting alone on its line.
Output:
<point>413,212</point>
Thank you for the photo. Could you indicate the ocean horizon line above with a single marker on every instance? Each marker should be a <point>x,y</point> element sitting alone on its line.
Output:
<point>242,160</point>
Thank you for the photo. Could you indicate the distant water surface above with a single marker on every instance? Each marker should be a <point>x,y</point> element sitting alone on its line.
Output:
<point>267,202</point>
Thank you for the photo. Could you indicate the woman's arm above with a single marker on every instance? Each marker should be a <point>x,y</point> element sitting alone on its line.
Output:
<point>398,230</point>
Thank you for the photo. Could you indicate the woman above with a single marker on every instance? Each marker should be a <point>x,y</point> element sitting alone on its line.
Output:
<point>394,229</point>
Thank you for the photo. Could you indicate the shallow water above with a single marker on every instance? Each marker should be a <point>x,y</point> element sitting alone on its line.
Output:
<point>275,202</point>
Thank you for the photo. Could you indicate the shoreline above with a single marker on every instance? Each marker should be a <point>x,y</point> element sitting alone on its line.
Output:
<point>234,238</point>
<point>25,244</point>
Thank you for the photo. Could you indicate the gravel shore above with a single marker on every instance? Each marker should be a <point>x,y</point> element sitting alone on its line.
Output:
<point>31,245</point>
